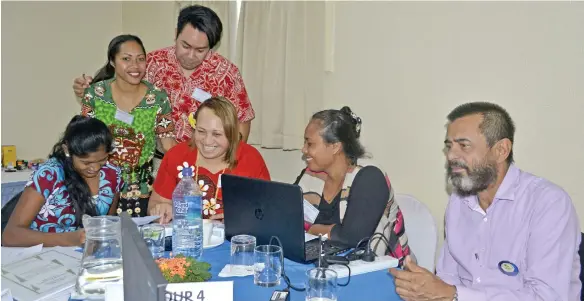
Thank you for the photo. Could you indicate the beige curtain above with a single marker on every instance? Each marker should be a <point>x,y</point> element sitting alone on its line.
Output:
<point>280,52</point>
<point>226,10</point>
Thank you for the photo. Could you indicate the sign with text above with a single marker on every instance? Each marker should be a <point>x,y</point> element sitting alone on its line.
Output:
<point>200,291</point>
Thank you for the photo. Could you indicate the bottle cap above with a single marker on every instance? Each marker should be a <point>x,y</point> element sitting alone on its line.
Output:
<point>187,172</point>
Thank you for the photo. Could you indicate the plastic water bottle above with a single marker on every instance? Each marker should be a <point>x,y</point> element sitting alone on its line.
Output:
<point>187,222</point>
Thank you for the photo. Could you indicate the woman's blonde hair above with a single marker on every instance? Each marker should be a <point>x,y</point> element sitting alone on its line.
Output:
<point>226,111</point>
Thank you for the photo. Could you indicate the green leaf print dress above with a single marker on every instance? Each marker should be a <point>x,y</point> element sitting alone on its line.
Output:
<point>134,138</point>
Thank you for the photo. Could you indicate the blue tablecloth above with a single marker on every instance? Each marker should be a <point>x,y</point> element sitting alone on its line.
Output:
<point>375,286</point>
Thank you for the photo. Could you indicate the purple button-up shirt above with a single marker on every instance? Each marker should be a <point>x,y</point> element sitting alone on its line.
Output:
<point>532,224</point>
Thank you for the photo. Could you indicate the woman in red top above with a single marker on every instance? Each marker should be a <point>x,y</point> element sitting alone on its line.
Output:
<point>214,149</point>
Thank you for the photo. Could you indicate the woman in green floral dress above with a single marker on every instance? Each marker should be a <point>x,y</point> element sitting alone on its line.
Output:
<point>136,112</point>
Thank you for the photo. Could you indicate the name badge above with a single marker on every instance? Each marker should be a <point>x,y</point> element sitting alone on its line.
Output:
<point>200,291</point>
<point>201,95</point>
<point>124,117</point>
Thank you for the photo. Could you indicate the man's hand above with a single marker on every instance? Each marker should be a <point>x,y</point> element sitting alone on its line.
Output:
<point>415,283</point>
<point>80,84</point>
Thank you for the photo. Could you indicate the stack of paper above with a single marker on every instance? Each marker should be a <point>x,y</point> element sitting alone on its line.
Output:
<point>10,255</point>
<point>46,274</point>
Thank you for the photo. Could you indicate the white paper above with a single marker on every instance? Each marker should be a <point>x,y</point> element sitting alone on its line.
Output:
<point>114,291</point>
<point>10,255</point>
<point>75,252</point>
<point>236,271</point>
<point>62,296</point>
<point>6,295</point>
<point>208,291</point>
<point>308,237</point>
<point>50,273</point>
<point>310,212</point>
<point>140,221</point>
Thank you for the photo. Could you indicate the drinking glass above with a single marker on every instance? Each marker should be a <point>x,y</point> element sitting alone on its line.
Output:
<point>153,235</point>
<point>242,250</point>
<point>268,265</point>
<point>321,285</point>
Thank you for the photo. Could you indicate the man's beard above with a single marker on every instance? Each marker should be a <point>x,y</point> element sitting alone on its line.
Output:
<point>475,181</point>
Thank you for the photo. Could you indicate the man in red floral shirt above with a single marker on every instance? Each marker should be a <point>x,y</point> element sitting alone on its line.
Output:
<point>191,72</point>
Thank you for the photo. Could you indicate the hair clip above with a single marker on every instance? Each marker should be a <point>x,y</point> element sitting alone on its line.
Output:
<point>356,118</point>
<point>192,120</point>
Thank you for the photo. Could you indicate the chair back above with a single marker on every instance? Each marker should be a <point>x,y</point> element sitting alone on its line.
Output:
<point>421,230</point>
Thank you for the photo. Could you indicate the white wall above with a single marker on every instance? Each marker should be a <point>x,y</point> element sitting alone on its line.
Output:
<point>45,45</point>
<point>402,66</point>
<point>154,22</point>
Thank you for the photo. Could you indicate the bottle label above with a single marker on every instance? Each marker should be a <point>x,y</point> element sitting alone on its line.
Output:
<point>189,207</point>
<point>181,208</point>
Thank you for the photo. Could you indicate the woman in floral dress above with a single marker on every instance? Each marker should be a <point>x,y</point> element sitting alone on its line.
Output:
<point>215,149</point>
<point>76,179</point>
<point>137,114</point>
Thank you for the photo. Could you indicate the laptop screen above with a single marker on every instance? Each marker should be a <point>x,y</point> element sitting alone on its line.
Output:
<point>264,209</point>
<point>143,279</point>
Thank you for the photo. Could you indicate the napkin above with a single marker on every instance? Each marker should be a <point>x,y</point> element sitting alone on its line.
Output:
<point>236,271</point>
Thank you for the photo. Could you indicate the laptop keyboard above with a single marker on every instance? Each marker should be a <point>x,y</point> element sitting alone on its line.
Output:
<point>312,248</point>
<point>311,251</point>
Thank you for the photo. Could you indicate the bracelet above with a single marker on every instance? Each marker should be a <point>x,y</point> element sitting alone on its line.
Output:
<point>455,294</point>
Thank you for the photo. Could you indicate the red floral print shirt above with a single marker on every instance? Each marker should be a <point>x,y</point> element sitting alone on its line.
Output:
<point>216,75</point>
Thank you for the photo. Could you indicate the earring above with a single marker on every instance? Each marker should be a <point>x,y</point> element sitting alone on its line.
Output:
<point>67,155</point>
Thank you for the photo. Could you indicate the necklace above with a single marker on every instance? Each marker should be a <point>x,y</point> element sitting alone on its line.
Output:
<point>218,179</point>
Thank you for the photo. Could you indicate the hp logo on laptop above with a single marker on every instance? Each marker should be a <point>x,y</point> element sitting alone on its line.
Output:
<point>259,214</point>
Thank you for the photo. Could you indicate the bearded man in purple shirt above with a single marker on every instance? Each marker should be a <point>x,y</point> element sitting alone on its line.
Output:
<point>510,235</point>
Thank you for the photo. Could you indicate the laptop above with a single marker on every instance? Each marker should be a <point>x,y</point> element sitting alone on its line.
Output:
<point>267,208</point>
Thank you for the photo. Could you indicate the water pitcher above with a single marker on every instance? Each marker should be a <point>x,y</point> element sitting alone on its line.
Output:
<point>102,256</point>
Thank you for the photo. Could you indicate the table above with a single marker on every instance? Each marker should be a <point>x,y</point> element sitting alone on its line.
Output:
<point>13,183</point>
<point>375,286</point>
<point>16,176</point>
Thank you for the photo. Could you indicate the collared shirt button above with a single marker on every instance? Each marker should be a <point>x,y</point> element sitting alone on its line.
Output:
<point>478,279</point>
<point>485,219</point>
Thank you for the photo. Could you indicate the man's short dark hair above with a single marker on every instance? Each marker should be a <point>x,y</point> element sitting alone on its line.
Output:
<point>496,124</point>
<point>203,19</point>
